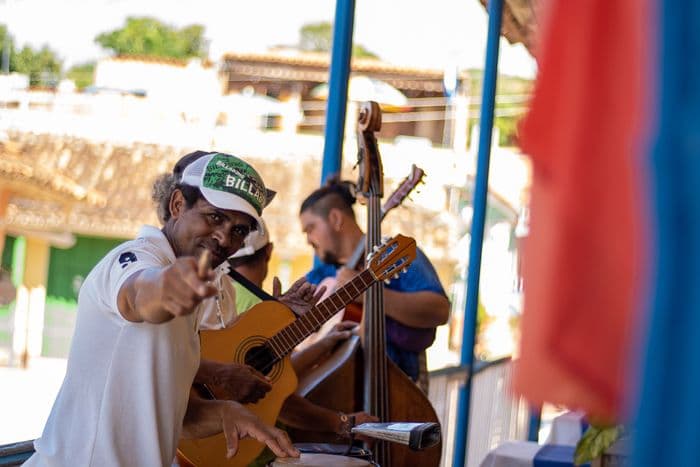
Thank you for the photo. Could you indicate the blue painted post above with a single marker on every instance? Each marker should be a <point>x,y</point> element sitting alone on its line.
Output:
<point>533,429</point>
<point>495,9</point>
<point>338,87</point>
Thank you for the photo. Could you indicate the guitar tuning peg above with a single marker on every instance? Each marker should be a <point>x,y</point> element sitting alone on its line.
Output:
<point>404,270</point>
<point>375,248</point>
<point>387,281</point>
<point>396,276</point>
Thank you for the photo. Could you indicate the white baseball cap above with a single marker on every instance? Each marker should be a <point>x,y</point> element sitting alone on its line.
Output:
<point>229,183</point>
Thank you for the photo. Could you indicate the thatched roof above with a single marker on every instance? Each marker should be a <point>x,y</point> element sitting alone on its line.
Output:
<point>117,181</point>
<point>36,179</point>
<point>519,22</point>
<point>66,184</point>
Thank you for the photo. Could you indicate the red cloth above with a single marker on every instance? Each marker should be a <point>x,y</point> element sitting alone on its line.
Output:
<point>582,262</point>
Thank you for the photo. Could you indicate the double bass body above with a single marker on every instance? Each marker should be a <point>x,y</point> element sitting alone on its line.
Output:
<point>338,384</point>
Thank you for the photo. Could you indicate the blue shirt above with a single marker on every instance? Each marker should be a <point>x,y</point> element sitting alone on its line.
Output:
<point>403,342</point>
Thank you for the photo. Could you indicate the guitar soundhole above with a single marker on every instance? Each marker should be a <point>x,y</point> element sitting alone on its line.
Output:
<point>260,357</point>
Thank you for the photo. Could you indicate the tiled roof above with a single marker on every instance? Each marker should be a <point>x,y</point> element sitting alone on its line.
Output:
<point>322,60</point>
<point>310,66</point>
<point>179,62</point>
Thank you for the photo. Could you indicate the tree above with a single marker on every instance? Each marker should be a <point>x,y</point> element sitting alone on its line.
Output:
<point>150,37</point>
<point>6,47</point>
<point>83,74</point>
<point>42,66</point>
<point>318,37</point>
<point>359,51</point>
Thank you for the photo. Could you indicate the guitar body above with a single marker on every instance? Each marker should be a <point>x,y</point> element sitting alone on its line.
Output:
<point>264,336</point>
<point>337,384</point>
<point>234,344</point>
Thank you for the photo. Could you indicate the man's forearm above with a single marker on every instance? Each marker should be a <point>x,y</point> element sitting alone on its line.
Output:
<point>206,373</point>
<point>304,360</point>
<point>303,414</point>
<point>140,299</point>
<point>203,417</point>
<point>417,309</point>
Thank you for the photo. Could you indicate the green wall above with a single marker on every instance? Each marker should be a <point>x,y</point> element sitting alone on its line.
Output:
<point>69,267</point>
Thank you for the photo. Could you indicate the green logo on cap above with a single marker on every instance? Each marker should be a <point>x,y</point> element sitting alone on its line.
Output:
<point>231,174</point>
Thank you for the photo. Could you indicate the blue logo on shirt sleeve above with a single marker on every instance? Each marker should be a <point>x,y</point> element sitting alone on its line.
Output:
<point>126,258</point>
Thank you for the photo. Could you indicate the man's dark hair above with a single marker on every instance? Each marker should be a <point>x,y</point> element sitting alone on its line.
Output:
<point>166,184</point>
<point>335,193</point>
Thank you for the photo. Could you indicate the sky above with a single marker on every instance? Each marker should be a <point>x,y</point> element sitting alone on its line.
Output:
<point>429,34</point>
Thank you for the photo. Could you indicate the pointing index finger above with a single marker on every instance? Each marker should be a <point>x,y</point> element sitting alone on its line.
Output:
<point>203,264</point>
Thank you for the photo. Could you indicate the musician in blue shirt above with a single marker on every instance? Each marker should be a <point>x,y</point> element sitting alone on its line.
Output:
<point>415,303</point>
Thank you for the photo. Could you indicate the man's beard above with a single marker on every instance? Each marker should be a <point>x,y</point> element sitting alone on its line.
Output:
<point>330,258</point>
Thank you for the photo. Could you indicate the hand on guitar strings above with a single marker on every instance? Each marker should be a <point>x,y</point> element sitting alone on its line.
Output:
<point>301,296</point>
<point>312,355</point>
<point>239,423</point>
<point>233,381</point>
<point>338,333</point>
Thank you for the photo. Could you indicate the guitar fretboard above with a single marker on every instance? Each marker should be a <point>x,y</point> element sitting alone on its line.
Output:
<point>289,337</point>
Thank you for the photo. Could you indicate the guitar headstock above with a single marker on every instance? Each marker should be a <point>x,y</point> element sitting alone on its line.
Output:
<point>391,257</point>
<point>406,186</point>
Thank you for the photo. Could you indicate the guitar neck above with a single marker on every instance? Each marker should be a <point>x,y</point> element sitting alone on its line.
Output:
<point>288,338</point>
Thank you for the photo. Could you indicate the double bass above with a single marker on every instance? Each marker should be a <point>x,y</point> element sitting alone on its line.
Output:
<point>353,311</point>
<point>361,377</point>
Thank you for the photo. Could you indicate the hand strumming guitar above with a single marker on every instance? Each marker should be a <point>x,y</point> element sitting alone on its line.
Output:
<point>305,359</point>
<point>233,381</point>
<point>301,296</point>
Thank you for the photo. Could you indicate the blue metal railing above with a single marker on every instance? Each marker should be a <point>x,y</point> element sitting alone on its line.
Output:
<point>16,453</point>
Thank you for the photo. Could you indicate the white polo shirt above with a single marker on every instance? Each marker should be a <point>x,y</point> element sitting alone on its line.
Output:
<point>127,384</point>
<point>219,312</point>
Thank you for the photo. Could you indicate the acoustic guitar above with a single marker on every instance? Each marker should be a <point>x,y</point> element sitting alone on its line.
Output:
<point>264,336</point>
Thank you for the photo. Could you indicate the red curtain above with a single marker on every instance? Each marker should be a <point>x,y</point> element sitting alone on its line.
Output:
<point>582,263</point>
